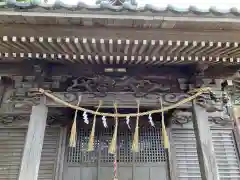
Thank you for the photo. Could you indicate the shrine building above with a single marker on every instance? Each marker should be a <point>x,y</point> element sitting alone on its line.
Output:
<point>119,90</point>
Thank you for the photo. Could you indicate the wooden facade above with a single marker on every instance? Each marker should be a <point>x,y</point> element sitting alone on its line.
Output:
<point>114,58</point>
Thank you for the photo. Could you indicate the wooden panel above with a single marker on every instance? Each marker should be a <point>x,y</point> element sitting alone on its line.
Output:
<point>49,154</point>
<point>125,173</point>
<point>185,157</point>
<point>158,172</point>
<point>106,173</point>
<point>72,173</point>
<point>172,156</point>
<point>226,154</point>
<point>142,173</point>
<point>89,173</point>
<point>11,149</point>
<point>184,142</point>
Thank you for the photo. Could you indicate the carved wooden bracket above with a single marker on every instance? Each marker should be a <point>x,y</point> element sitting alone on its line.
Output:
<point>13,119</point>
<point>180,117</point>
<point>20,119</point>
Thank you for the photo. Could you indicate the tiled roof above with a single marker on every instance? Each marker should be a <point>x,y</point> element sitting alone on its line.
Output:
<point>199,7</point>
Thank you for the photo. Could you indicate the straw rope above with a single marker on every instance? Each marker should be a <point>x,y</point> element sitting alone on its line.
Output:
<point>197,92</point>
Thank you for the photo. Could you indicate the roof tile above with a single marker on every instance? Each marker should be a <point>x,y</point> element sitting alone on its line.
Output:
<point>199,7</point>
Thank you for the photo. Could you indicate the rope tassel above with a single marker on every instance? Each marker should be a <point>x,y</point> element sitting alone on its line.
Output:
<point>73,135</point>
<point>113,146</point>
<point>91,138</point>
<point>135,147</point>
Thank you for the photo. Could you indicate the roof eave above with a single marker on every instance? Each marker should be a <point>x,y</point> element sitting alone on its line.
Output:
<point>122,20</point>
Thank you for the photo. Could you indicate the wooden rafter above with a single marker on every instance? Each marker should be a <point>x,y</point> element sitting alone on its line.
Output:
<point>120,51</point>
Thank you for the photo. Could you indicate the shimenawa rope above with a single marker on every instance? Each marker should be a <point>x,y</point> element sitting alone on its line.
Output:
<point>197,92</point>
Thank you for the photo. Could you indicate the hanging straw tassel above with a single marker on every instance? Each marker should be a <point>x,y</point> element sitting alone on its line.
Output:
<point>164,132</point>
<point>91,138</point>
<point>73,135</point>
<point>135,143</point>
<point>113,146</point>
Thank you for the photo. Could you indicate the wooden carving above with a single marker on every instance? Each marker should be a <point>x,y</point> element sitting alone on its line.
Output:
<point>180,117</point>
<point>13,119</point>
<point>101,85</point>
<point>109,88</point>
<point>18,119</point>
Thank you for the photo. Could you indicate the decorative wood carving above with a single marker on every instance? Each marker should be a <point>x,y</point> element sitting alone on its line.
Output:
<point>22,101</point>
<point>140,86</point>
<point>54,118</point>
<point>6,119</point>
<point>108,87</point>
<point>95,80</point>
<point>181,117</point>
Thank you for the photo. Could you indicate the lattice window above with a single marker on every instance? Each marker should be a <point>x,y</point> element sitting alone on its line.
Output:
<point>79,154</point>
<point>150,143</point>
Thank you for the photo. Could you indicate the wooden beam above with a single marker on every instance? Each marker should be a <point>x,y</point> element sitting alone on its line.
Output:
<point>206,155</point>
<point>34,143</point>
<point>25,68</point>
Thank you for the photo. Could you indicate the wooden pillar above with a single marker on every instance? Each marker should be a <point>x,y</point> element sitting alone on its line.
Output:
<point>33,143</point>
<point>206,155</point>
<point>236,116</point>
<point>2,92</point>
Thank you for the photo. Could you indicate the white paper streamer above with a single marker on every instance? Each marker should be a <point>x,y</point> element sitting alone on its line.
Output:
<point>128,122</point>
<point>104,121</point>
<point>85,117</point>
<point>150,120</point>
